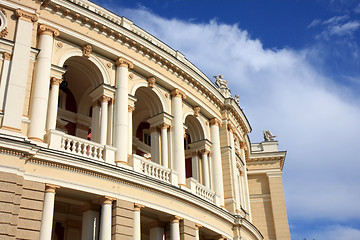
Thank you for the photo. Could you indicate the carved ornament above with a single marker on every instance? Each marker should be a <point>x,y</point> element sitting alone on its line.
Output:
<point>175,219</point>
<point>138,207</point>
<point>151,81</point>
<point>50,188</point>
<point>7,56</point>
<point>104,99</point>
<point>3,11</point>
<point>164,126</point>
<point>107,200</point>
<point>44,29</point>
<point>29,17</point>
<point>87,50</point>
<point>131,108</point>
<point>196,111</point>
<point>122,62</point>
<point>4,32</point>
<point>55,81</point>
<point>215,121</point>
<point>178,93</point>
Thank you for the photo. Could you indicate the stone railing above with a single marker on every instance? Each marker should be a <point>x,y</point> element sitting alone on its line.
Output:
<point>201,191</point>
<point>80,147</point>
<point>154,170</point>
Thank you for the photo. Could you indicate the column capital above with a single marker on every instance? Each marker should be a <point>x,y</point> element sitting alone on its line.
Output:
<point>29,17</point>
<point>95,104</point>
<point>138,207</point>
<point>104,98</point>
<point>51,188</point>
<point>55,81</point>
<point>220,237</point>
<point>164,126</point>
<point>196,111</point>
<point>178,93</point>
<point>215,121</point>
<point>175,219</point>
<point>197,226</point>
<point>153,129</point>
<point>151,81</point>
<point>205,152</point>
<point>107,200</point>
<point>122,62</point>
<point>45,29</point>
<point>7,56</point>
<point>131,108</point>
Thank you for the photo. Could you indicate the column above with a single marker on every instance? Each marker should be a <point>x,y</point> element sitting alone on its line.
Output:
<point>157,231</point>
<point>95,121</point>
<point>164,145</point>
<point>197,228</point>
<point>48,212</point>
<point>110,122</point>
<point>90,222</point>
<point>137,222</point>
<point>205,168</point>
<point>234,168</point>
<point>121,110</point>
<point>40,89</point>
<point>195,166</point>
<point>18,75</point>
<point>130,128</point>
<point>175,228</point>
<point>105,221</point>
<point>104,119</point>
<point>170,147</point>
<point>216,159</point>
<point>53,104</point>
<point>155,145</point>
<point>278,205</point>
<point>4,78</point>
<point>178,138</point>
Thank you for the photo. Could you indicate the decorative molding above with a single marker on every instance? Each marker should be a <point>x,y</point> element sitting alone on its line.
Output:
<point>51,188</point>
<point>29,17</point>
<point>3,11</point>
<point>151,81</point>
<point>87,50</point>
<point>175,219</point>
<point>104,98</point>
<point>178,93</point>
<point>122,62</point>
<point>164,126</point>
<point>131,108</point>
<point>4,32</point>
<point>196,111</point>
<point>138,207</point>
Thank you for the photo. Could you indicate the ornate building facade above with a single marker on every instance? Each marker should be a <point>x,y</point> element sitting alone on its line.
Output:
<point>108,133</point>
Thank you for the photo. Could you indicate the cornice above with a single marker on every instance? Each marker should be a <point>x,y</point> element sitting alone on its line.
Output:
<point>266,158</point>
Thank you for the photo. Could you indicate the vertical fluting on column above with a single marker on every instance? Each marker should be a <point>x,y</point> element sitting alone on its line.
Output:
<point>40,93</point>
<point>53,103</point>
<point>216,159</point>
<point>105,221</point>
<point>131,109</point>
<point>205,168</point>
<point>104,119</point>
<point>175,228</point>
<point>95,123</point>
<point>164,145</point>
<point>48,212</point>
<point>121,110</point>
<point>234,168</point>
<point>178,128</point>
<point>137,221</point>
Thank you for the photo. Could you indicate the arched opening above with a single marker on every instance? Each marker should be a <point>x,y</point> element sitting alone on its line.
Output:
<point>74,104</point>
<point>146,141</point>
<point>194,144</point>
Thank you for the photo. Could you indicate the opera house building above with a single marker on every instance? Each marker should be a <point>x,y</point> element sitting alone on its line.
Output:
<point>108,133</point>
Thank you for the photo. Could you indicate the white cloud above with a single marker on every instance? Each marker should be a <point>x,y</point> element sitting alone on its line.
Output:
<point>346,28</point>
<point>281,91</point>
<point>337,232</point>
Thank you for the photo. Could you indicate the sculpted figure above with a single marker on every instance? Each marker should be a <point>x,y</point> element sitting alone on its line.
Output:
<point>221,82</point>
<point>236,98</point>
<point>268,136</point>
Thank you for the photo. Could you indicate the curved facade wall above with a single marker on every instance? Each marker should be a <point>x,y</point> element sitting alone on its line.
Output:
<point>108,133</point>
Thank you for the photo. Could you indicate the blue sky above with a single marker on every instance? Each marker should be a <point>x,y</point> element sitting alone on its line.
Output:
<point>296,66</point>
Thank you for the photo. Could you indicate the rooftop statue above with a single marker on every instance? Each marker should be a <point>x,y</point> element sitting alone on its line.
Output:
<point>223,85</point>
<point>268,136</point>
<point>236,98</point>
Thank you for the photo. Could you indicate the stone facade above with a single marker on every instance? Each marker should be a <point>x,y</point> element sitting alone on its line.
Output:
<point>108,133</point>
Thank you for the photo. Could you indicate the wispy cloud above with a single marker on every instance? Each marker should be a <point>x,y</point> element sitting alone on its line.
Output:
<point>283,91</point>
